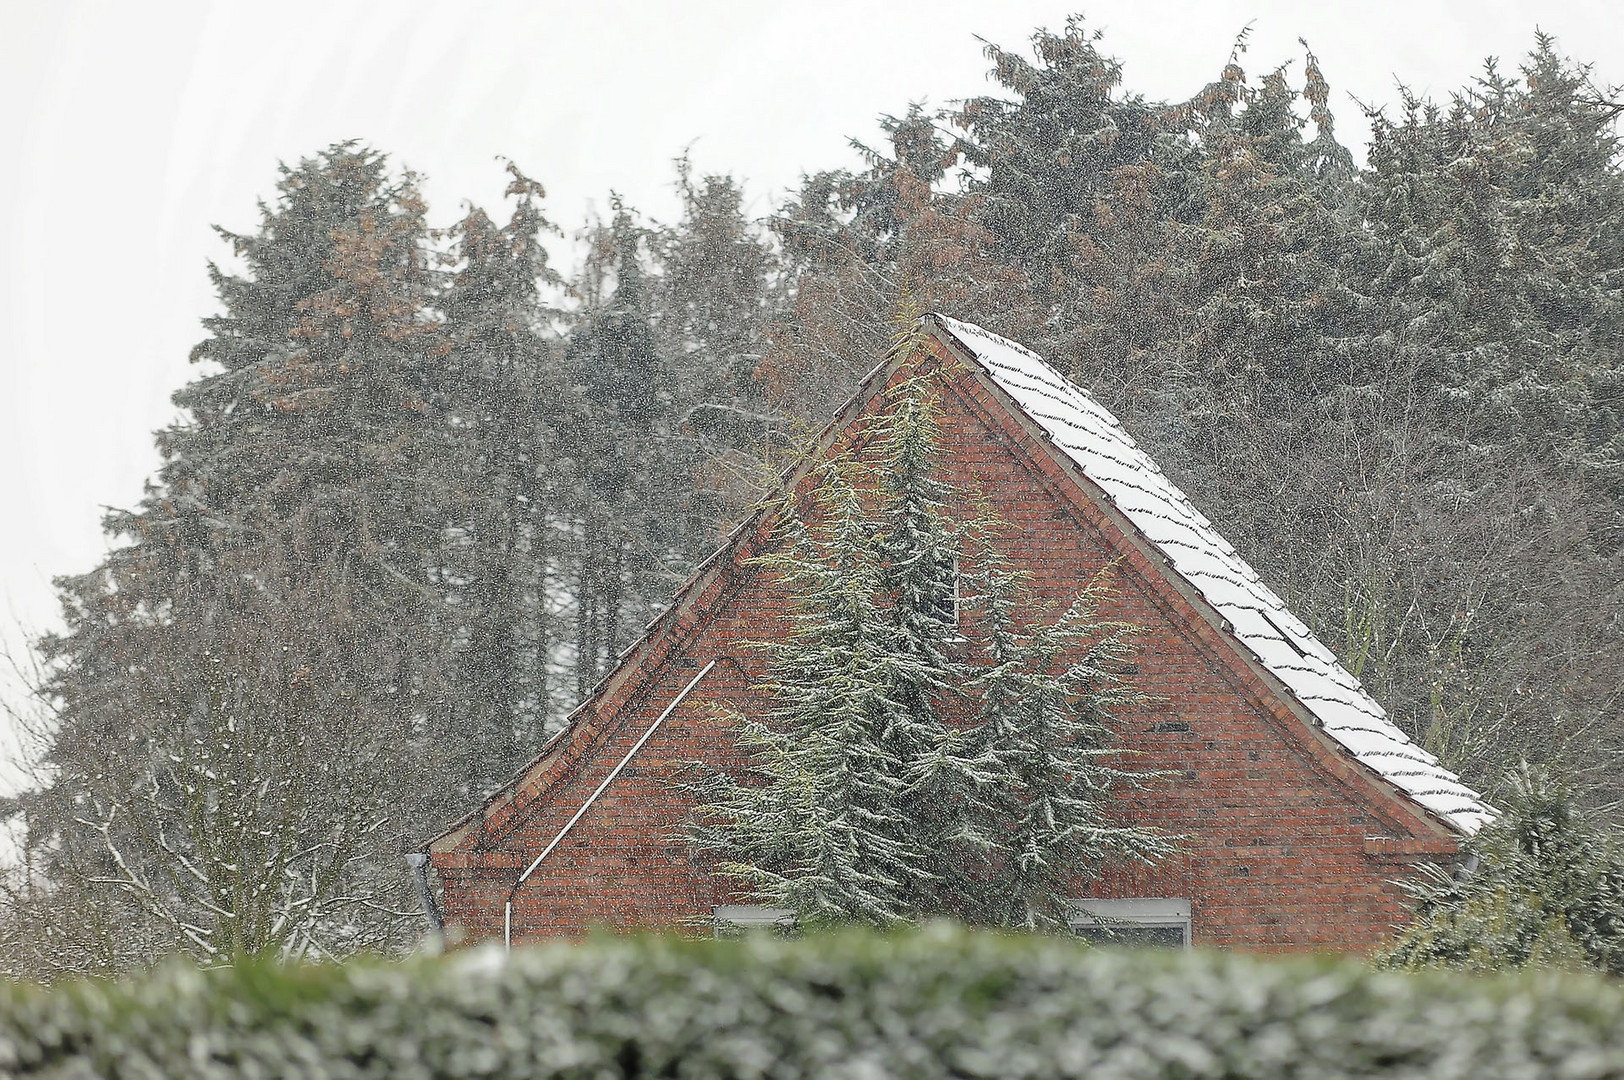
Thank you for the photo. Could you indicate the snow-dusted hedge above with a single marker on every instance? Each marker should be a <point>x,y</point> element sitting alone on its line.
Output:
<point>938,1004</point>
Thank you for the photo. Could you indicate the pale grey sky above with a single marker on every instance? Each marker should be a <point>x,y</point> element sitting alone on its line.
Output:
<point>127,129</point>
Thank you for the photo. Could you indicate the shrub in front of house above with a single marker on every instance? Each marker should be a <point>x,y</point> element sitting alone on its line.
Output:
<point>938,1003</point>
<point>1546,890</point>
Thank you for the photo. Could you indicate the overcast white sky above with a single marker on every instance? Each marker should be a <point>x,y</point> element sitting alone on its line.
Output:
<point>126,130</point>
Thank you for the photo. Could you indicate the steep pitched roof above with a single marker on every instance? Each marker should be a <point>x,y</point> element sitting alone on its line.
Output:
<point>1259,620</point>
<point>1095,443</point>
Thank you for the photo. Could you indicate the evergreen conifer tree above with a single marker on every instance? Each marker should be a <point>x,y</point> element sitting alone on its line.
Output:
<point>1540,887</point>
<point>1046,695</point>
<point>929,753</point>
<point>251,690</point>
<point>517,416</point>
<point>713,292</point>
<point>853,244</point>
<point>633,517</point>
<point>1483,353</point>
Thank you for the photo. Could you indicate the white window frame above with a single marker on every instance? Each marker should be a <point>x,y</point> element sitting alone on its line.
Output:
<point>749,918</point>
<point>1149,912</point>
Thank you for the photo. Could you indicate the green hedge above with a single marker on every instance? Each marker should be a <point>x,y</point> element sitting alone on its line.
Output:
<point>941,1003</point>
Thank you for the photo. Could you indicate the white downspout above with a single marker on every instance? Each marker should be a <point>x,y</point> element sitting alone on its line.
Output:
<point>507,910</point>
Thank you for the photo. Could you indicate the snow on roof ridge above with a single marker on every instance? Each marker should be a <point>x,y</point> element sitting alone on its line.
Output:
<point>1099,445</point>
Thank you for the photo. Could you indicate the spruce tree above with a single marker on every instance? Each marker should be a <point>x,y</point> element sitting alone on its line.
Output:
<point>712,295</point>
<point>251,690</point>
<point>631,515</point>
<point>854,243</point>
<point>1485,355</point>
<point>713,289</point>
<point>1077,183</point>
<point>516,416</point>
<point>928,753</point>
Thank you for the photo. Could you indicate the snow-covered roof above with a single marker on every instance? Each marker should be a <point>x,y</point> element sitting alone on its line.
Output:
<point>1107,455</point>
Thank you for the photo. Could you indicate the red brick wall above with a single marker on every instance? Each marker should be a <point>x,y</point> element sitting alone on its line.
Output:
<point>1277,824</point>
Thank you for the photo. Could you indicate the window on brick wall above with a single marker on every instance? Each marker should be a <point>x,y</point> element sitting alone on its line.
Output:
<point>736,920</point>
<point>1160,922</point>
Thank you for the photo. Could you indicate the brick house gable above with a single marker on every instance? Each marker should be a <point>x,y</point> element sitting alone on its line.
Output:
<point>1300,802</point>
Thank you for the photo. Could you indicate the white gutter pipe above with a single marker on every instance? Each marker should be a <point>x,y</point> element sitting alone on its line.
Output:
<point>507,910</point>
